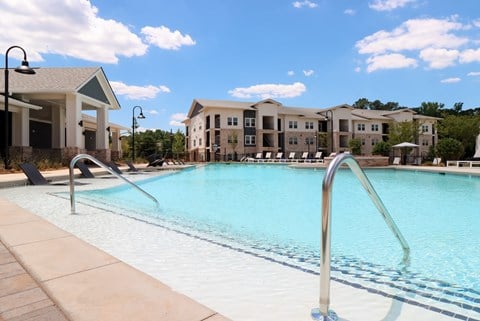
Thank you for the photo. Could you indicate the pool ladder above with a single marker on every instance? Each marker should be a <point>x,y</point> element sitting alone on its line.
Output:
<point>111,171</point>
<point>322,312</point>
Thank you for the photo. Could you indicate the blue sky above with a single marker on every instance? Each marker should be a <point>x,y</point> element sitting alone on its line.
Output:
<point>309,53</point>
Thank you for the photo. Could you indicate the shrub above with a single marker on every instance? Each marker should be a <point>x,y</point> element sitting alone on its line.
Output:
<point>355,146</point>
<point>449,149</point>
<point>382,148</point>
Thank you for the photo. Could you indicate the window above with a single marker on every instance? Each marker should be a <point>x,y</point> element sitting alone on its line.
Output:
<point>232,139</point>
<point>374,141</point>
<point>425,129</point>
<point>249,122</point>
<point>199,142</point>
<point>361,127</point>
<point>309,141</point>
<point>249,139</point>
<point>232,121</point>
<point>292,124</point>
<point>374,127</point>
<point>194,143</point>
<point>309,125</point>
<point>363,141</point>
<point>292,141</point>
<point>425,142</point>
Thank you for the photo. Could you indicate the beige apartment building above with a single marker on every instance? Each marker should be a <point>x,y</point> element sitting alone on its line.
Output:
<point>229,130</point>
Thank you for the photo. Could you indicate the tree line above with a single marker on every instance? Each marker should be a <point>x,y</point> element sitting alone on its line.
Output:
<point>457,128</point>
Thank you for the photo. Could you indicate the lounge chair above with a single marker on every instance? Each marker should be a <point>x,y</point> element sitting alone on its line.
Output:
<point>332,154</point>
<point>291,157</point>
<point>305,156</point>
<point>36,178</point>
<point>259,157</point>
<point>279,156</point>
<point>396,161</point>
<point>268,156</point>
<point>437,161</point>
<point>318,157</point>
<point>131,167</point>
<point>114,167</point>
<point>84,170</point>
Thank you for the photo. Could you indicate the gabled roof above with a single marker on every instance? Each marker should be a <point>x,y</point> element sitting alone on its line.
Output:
<point>89,81</point>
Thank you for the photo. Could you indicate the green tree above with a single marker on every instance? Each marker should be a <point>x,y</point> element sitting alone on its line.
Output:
<point>432,109</point>
<point>464,129</point>
<point>178,147</point>
<point>382,148</point>
<point>355,146</point>
<point>362,103</point>
<point>406,131</point>
<point>449,149</point>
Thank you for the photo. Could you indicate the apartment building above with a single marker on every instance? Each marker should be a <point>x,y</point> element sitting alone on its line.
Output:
<point>229,130</point>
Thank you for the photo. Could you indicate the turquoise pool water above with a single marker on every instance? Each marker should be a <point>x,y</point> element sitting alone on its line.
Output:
<point>274,211</point>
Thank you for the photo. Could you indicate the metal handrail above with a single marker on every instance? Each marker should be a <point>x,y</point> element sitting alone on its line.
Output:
<point>111,171</point>
<point>323,313</point>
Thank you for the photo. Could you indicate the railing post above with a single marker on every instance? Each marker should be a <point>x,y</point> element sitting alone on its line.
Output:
<point>322,312</point>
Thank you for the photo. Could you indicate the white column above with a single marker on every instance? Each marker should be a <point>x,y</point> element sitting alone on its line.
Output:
<point>102,124</point>
<point>58,127</point>
<point>21,127</point>
<point>73,115</point>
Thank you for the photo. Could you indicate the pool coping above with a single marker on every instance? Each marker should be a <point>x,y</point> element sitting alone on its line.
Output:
<point>84,282</point>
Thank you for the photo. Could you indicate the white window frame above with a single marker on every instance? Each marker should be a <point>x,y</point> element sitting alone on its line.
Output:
<point>375,128</point>
<point>250,122</point>
<point>360,127</point>
<point>292,140</point>
<point>292,124</point>
<point>309,125</point>
<point>232,121</point>
<point>250,140</point>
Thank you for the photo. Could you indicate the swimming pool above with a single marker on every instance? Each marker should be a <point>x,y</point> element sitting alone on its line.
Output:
<point>274,212</point>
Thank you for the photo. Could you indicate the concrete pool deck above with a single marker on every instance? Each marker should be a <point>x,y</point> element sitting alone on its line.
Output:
<point>83,281</point>
<point>50,274</point>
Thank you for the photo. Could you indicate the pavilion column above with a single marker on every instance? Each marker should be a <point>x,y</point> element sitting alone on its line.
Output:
<point>21,150</point>
<point>75,137</point>
<point>58,128</point>
<point>102,135</point>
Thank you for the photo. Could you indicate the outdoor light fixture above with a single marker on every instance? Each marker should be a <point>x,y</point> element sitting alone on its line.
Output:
<point>23,69</point>
<point>108,129</point>
<point>80,123</point>
<point>141,116</point>
<point>330,119</point>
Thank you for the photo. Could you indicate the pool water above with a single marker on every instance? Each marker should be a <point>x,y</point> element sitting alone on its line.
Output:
<point>274,211</point>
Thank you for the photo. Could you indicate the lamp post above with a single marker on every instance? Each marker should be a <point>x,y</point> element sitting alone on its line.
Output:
<point>140,116</point>
<point>330,119</point>
<point>23,69</point>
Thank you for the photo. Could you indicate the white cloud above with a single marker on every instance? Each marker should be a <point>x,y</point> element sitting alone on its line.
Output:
<point>450,80</point>
<point>470,55</point>
<point>390,61</point>
<point>164,38</point>
<point>474,74</point>
<point>153,112</point>
<point>349,12</point>
<point>388,5</point>
<point>305,3</point>
<point>439,58</point>
<point>415,34</point>
<point>69,28</point>
<point>176,119</point>
<point>291,73</point>
<point>264,91</point>
<point>137,92</point>
<point>358,69</point>
<point>308,73</point>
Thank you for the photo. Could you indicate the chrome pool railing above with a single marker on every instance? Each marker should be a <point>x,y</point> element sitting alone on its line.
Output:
<point>111,171</point>
<point>322,312</point>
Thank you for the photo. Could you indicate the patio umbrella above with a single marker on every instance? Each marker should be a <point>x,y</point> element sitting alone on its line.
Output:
<point>405,146</point>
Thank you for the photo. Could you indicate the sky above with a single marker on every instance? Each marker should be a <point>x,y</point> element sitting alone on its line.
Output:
<point>163,54</point>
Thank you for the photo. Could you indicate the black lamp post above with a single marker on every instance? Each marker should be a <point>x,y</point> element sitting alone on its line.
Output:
<point>23,69</point>
<point>141,116</point>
